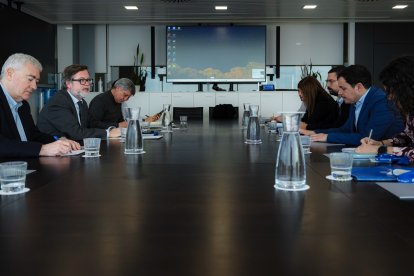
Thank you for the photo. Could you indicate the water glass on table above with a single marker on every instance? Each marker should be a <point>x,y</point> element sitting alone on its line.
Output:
<point>183,122</point>
<point>91,146</point>
<point>13,176</point>
<point>305,141</point>
<point>341,166</point>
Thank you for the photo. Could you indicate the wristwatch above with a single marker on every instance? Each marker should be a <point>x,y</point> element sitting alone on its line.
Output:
<point>382,149</point>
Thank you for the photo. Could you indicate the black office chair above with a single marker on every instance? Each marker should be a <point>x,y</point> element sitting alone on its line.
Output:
<point>192,113</point>
<point>224,111</point>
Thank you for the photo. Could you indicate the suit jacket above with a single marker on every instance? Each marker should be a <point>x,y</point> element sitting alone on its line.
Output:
<point>10,143</point>
<point>59,117</point>
<point>104,112</point>
<point>377,113</point>
<point>343,115</point>
<point>324,114</point>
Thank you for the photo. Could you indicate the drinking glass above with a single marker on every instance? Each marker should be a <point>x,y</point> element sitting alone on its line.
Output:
<point>341,165</point>
<point>13,176</point>
<point>92,146</point>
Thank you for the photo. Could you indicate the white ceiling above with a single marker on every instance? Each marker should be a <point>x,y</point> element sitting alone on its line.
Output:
<point>202,11</point>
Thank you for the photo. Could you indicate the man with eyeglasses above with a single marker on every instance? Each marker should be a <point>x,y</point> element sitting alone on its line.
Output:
<point>333,88</point>
<point>66,113</point>
<point>19,137</point>
<point>370,111</point>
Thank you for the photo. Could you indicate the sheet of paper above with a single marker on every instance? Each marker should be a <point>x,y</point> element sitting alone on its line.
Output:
<point>403,191</point>
<point>74,152</point>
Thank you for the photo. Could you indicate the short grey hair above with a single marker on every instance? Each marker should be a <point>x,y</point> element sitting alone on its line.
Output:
<point>125,84</point>
<point>17,61</point>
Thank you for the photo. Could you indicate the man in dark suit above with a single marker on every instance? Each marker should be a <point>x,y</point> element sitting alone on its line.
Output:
<point>19,137</point>
<point>66,113</point>
<point>333,88</point>
<point>370,110</point>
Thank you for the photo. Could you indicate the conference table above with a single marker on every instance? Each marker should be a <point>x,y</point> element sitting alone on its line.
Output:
<point>200,202</point>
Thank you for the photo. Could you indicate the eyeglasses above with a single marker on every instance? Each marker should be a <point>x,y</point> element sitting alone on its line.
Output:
<point>84,81</point>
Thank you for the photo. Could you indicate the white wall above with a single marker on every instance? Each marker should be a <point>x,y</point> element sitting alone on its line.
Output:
<point>321,43</point>
<point>64,46</point>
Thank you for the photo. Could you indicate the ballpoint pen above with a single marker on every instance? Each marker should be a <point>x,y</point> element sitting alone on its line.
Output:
<point>369,137</point>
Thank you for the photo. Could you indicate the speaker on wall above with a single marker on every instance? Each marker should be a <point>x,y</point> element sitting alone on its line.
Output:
<point>152,52</point>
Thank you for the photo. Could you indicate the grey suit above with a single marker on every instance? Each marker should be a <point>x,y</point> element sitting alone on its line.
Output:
<point>59,117</point>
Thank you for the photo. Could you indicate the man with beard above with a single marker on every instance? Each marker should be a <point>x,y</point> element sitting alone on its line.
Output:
<point>333,88</point>
<point>370,112</point>
<point>66,113</point>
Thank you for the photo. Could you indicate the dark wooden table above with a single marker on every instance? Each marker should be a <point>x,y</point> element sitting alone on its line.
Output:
<point>199,202</point>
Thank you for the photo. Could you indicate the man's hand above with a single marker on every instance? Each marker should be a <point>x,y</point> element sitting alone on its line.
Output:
<point>123,124</point>
<point>58,148</point>
<point>115,132</point>
<point>153,118</point>
<point>319,137</point>
<point>306,132</point>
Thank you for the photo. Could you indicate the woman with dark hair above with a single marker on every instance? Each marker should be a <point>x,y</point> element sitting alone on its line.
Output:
<point>321,108</point>
<point>398,81</point>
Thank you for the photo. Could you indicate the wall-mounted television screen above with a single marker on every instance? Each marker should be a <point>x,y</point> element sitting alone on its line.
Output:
<point>210,54</point>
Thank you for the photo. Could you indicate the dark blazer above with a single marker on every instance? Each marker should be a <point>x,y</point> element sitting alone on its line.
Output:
<point>343,115</point>
<point>10,142</point>
<point>59,117</point>
<point>377,113</point>
<point>324,114</point>
<point>104,112</point>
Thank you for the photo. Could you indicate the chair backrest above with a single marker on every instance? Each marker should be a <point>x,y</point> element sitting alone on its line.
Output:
<point>224,111</point>
<point>192,113</point>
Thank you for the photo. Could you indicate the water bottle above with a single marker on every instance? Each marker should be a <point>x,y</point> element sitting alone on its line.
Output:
<point>100,86</point>
<point>253,127</point>
<point>166,118</point>
<point>134,143</point>
<point>290,163</point>
<point>246,115</point>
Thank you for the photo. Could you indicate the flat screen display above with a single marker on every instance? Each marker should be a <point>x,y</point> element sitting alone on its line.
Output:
<point>209,54</point>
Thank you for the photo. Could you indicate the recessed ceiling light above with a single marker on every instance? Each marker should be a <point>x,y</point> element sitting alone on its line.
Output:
<point>399,7</point>
<point>131,7</point>
<point>221,8</point>
<point>309,7</point>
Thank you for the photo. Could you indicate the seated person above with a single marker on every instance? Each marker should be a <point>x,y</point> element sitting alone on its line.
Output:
<point>333,88</point>
<point>398,80</point>
<point>321,109</point>
<point>370,110</point>
<point>19,137</point>
<point>105,110</point>
<point>66,113</point>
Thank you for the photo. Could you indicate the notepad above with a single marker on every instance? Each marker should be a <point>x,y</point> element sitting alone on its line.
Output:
<point>402,191</point>
<point>378,173</point>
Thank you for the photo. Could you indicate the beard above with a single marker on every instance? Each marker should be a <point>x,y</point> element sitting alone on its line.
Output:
<point>82,93</point>
<point>332,92</point>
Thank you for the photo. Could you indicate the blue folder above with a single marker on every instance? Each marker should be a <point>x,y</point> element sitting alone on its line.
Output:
<point>378,173</point>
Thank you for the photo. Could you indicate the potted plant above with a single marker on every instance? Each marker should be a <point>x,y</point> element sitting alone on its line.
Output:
<point>308,71</point>
<point>139,70</point>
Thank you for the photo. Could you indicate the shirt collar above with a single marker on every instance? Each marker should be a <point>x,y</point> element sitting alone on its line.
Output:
<point>12,103</point>
<point>361,100</point>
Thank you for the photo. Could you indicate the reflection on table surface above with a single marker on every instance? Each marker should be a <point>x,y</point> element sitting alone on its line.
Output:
<point>199,202</point>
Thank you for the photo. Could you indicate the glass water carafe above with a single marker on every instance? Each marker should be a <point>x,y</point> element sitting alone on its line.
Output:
<point>166,118</point>
<point>134,143</point>
<point>246,115</point>
<point>290,162</point>
<point>253,127</point>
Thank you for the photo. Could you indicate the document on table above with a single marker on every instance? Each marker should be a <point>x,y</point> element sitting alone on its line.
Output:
<point>401,190</point>
<point>74,152</point>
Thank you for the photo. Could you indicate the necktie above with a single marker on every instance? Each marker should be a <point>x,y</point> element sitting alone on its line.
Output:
<point>80,112</point>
